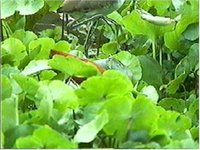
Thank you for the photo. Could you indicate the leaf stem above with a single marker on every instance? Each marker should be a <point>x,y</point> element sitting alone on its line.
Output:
<point>2,38</point>
<point>160,57</point>
<point>154,49</point>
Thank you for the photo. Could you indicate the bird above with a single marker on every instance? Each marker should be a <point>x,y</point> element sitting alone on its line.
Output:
<point>89,9</point>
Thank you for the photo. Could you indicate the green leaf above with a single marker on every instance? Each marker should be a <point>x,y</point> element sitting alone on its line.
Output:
<point>21,23</point>
<point>178,105</point>
<point>25,82</point>
<point>151,71</point>
<point>142,27</point>
<point>51,33</point>
<point>10,116</point>
<point>8,8</point>
<point>176,126</point>
<point>116,16</point>
<point>28,142</point>
<point>24,36</point>
<point>62,46</point>
<point>160,6</point>
<point>64,96</point>
<point>183,144</point>
<point>144,115</point>
<point>28,7</point>
<point>45,137</point>
<point>190,16</point>
<point>188,63</point>
<point>2,140</point>
<point>88,132</point>
<point>128,64</point>
<point>119,112</point>
<point>46,45</point>
<point>191,33</point>
<point>54,4</point>
<point>174,85</point>
<point>110,48</point>
<point>151,93</point>
<point>111,84</point>
<point>47,75</point>
<point>45,106</point>
<point>13,51</point>
<point>7,88</point>
<point>35,66</point>
<point>72,66</point>
<point>16,132</point>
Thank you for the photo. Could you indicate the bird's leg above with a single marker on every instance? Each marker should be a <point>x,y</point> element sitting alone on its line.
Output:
<point>96,17</point>
<point>111,22</point>
<point>63,26</point>
<point>89,34</point>
<point>65,20</point>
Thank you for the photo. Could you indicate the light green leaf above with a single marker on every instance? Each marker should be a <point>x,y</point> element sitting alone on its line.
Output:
<point>45,106</point>
<point>2,140</point>
<point>35,66</point>
<point>24,36</point>
<point>110,48</point>
<point>151,93</point>
<point>18,131</point>
<point>25,82</point>
<point>45,137</point>
<point>64,96</point>
<point>88,132</point>
<point>128,64</point>
<point>46,45</point>
<point>72,66</point>
<point>119,111</point>
<point>144,115</point>
<point>142,27</point>
<point>47,75</point>
<point>13,51</point>
<point>111,84</point>
<point>62,46</point>
<point>28,7</point>
<point>176,126</point>
<point>10,116</point>
<point>8,8</point>
<point>7,88</point>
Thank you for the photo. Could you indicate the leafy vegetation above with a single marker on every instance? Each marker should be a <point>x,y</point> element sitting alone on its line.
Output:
<point>138,87</point>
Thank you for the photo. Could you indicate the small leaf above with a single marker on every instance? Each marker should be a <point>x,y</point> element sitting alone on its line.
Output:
<point>62,46</point>
<point>150,92</point>
<point>110,48</point>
